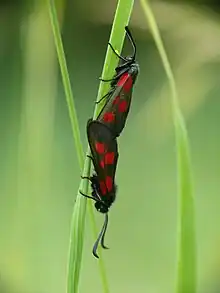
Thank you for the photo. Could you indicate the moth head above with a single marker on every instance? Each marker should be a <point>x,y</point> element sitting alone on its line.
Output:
<point>130,59</point>
<point>101,207</point>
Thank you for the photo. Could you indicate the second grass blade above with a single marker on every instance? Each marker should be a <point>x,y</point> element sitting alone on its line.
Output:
<point>122,16</point>
<point>187,267</point>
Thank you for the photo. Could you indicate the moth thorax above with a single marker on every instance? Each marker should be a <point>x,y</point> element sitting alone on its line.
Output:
<point>101,207</point>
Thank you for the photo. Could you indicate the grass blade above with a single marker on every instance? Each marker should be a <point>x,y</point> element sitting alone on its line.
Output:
<point>79,210</point>
<point>187,268</point>
<point>122,17</point>
<point>66,81</point>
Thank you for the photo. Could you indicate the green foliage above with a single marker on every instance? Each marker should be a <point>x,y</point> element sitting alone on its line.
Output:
<point>121,19</point>
<point>187,269</point>
<point>79,210</point>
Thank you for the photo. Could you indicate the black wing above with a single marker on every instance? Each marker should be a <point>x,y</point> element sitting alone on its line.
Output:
<point>114,113</point>
<point>104,150</point>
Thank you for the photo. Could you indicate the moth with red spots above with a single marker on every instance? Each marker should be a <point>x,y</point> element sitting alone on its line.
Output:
<point>116,109</point>
<point>104,151</point>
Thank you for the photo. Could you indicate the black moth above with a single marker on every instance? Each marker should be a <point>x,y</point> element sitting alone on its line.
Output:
<point>102,134</point>
<point>117,106</point>
<point>104,151</point>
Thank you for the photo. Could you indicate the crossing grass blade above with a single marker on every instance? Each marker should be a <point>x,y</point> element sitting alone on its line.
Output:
<point>122,16</point>
<point>187,267</point>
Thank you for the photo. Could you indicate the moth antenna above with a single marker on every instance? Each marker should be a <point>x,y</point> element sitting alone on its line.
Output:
<point>131,41</point>
<point>103,235</point>
<point>119,56</point>
<point>100,237</point>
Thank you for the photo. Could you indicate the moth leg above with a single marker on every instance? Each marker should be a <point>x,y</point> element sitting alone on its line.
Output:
<point>87,196</point>
<point>120,73</point>
<point>117,76</point>
<point>90,157</point>
<point>106,80</point>
<point>85,177</point>
<point>102,98</point>
<point>119,56</point>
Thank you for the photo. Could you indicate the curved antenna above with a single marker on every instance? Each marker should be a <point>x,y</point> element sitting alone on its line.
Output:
<point>131,41</point>
<point>100,237</point>
<point>103,235</point>
<point>119,56</point>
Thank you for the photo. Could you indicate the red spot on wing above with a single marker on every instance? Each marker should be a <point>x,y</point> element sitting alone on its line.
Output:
<point>126,82</point>
<point>109,183</point>
<point>109,117</point>
<point>128,85</point>
<point>122,107</point>
<point>100,147</point>
<point>122,79</point>
<point>103,187</point>
<point>116,100</point>
<point>109,158</point>
<point>102,164</point>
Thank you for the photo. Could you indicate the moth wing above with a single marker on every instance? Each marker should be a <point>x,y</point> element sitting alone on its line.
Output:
<point>115,111</point>
<point>104,150</point>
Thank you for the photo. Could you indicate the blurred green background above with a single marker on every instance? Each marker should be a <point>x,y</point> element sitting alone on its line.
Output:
<point>39,172</point>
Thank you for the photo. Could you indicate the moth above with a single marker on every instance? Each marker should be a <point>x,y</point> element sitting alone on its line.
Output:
<point>118,99</point>
<point>104,155</point>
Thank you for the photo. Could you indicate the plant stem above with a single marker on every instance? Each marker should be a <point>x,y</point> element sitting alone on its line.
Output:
<point>79,210</point>
<point>187,268</point>
<point>66,81</point>
<point>121,19</point>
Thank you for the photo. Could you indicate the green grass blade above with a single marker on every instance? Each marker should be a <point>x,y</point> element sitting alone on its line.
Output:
<point>66,81</point>
<point>121,19</point>
<point>79,210</point>
<point>187,268</point>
